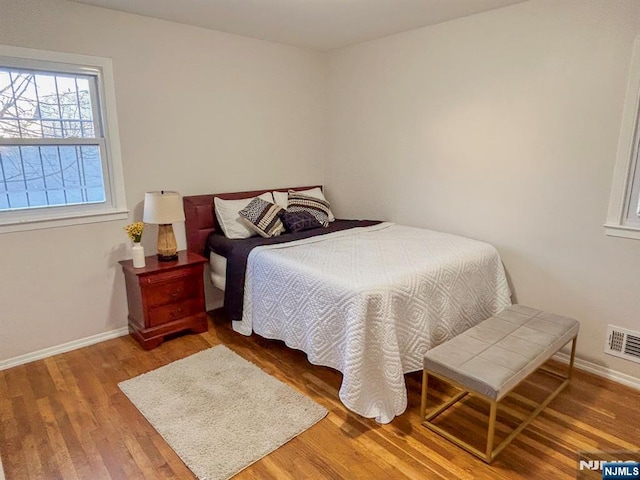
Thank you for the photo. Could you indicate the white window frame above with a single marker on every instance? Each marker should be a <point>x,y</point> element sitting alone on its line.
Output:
<point>622,217</point>
<point>115,207</point>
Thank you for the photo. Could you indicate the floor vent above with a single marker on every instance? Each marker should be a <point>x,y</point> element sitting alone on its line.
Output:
<point>623,343</point>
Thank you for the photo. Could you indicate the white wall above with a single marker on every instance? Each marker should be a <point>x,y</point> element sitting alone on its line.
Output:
<point>501,126</point>
<point>199,111</point>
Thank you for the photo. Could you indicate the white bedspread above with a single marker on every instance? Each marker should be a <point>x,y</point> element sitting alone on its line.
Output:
<point>370,302</point>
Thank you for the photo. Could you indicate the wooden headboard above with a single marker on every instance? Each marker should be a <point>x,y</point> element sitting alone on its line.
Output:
<point>200,217</point>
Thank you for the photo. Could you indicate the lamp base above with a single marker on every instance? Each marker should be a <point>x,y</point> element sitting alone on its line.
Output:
<point>167,258</point>
<point>167,246</point>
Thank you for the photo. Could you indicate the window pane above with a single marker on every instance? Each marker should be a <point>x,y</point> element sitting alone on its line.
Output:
<point>85,99</point>
<point>45,105</point>
<point>9,128</point>
<point>6,94</point>
<point>40,176</point>
<point>633,206</point>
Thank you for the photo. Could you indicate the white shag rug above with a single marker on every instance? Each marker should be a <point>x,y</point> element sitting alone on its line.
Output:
<point>219,412</point>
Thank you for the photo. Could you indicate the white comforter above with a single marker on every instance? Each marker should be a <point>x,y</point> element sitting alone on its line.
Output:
<point>370,302</point>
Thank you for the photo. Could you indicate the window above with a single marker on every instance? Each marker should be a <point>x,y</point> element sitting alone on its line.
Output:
<point>59,152</point>
<point>623,219</point>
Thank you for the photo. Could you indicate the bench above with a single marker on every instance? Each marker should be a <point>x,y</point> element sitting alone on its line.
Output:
<point>491,359</point>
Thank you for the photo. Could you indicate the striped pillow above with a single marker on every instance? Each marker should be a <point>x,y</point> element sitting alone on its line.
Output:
<point>263,217</point>
<point>299,202</point>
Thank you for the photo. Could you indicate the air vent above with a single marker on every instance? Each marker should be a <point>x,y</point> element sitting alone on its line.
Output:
<point>623,343</point>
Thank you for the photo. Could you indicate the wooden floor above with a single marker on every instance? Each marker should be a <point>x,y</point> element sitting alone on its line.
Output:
<point>64,417</point>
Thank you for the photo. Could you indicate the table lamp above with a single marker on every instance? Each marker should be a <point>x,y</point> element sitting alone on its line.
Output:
<point>163,208</point>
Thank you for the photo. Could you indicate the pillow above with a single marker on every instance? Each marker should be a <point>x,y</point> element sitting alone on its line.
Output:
<point>298,221</point>
<point>281,198</point>
<point>316,207</point>
<point>263,217</point>
<point>228,218</point>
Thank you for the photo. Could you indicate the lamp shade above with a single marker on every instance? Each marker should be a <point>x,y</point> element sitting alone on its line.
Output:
<point>162,207</point>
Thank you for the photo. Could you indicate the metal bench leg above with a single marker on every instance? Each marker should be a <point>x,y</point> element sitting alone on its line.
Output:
<point>425,385</point>
<point>573,357</point>
<point>492,429</point>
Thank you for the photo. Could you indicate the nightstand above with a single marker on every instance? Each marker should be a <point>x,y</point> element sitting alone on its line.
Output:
<point>165,298</point>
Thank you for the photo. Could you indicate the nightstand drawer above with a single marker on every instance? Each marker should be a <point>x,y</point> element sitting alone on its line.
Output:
<point>174,311</point>
<point>172,292</point>
<point>168,276</point>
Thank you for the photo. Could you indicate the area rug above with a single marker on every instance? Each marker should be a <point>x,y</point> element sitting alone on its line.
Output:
<point>219,412</point>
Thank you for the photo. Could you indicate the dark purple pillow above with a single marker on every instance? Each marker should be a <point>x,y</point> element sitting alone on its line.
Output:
<point>299,221</point>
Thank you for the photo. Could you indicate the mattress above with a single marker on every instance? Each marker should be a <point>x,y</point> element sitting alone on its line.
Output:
<point>218,270</point>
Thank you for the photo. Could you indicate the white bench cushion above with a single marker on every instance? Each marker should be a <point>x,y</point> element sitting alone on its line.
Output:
<point>495,355</point>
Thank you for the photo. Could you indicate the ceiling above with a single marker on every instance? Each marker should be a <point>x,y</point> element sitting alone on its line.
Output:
<point>316,24</point>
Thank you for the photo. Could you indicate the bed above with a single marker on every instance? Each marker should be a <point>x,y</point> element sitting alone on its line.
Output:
<point>368,299</point>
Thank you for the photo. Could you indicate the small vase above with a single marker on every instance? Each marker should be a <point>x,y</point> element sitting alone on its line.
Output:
<point>137,253</point>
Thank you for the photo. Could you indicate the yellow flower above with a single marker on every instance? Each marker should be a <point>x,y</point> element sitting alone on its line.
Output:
<point>134,231</point>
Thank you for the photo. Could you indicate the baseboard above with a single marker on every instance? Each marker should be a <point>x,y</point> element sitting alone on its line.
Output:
<point>600,371</point>
<point>585,365</point>
<point>65,347</point>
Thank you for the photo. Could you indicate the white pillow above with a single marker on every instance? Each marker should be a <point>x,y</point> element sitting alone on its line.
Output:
<point>282,198</point>
<point>228,218</point>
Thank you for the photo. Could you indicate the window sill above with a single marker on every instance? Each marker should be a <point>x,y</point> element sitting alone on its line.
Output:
<point>622,231</point>
<point>64,221</point>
